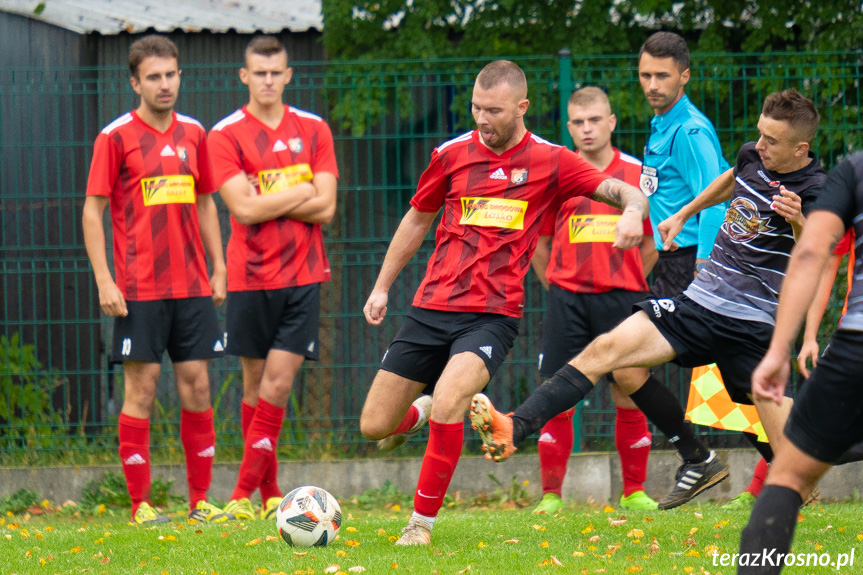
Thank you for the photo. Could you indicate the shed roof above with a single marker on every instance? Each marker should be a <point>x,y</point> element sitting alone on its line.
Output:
<point>115,16</point>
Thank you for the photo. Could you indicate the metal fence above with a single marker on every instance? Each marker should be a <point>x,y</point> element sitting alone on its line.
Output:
<point>59,397</point>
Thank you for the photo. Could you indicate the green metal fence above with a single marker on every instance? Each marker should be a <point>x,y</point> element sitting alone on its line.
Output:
<point>59,397</point>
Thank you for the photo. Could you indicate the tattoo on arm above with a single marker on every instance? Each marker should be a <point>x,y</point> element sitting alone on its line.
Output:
<point>620,195</point>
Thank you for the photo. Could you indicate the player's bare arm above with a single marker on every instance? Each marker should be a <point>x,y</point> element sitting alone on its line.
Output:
<point>407,240</point>
<point>633,202</point>
<point>718,191</point>
<point>251,208</point>
<point>649,255</point>
<point>211,238</point>
<point>539,260</point>
<point>810,256</point>
<point>321,208</point>
<point>110,297</point>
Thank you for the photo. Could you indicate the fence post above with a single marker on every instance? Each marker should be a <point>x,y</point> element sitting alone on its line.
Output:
<point>564,89</point>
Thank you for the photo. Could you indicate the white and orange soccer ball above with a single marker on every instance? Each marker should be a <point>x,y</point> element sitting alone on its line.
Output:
<point>308,516</point>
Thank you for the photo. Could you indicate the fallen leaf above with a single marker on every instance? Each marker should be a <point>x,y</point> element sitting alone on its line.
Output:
<point>693,530</point>
<point>253,542</point>
<point>352,543</point>
<point>637,533</point>
<point>341,553</point>
<point>608,509</point>
<point>300,553</point>
<point>272,538</point>
<point>397,507</point>
<point>351,529</point>
<point>332,569</point>
<point>578,554</point>
<point>480,545</point>
<point>357,569</point>
<point>394,566</point>
<point>594,539</point>
<point>539,527</point>
<point>382,532</point>
<point>511,541</point>
<point>616,522</point>
<point>556,561</point>
<point>544,544</point>
<point>74,550</point>
<point>698,515</point>
<point>587,529</point>
<point>465,570</point>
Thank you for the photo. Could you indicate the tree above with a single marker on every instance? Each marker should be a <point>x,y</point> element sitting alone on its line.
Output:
<point>443,28</point>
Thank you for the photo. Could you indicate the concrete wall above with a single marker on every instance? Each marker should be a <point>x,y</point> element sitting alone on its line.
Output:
<point>593,477</point>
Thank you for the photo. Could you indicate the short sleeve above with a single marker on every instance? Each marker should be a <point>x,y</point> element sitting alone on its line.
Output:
<point>432,188</point>
<point>224,157</point>
<point>577,177</point>
<point>104,167</point>
<point>837,194</point>
<point>204,185</point>
<point>325,154</point>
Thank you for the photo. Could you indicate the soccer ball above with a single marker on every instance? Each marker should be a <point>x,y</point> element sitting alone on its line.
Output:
<point>308,516</point>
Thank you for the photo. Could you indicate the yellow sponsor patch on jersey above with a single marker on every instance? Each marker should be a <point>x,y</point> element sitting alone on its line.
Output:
<point>493,213</point>
<point>282,179</point>
<point>174,189</point>
<point>587,228</point>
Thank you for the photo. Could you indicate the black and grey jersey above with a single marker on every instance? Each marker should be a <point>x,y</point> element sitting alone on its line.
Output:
<point>843,195</point>
<point>747,265</point>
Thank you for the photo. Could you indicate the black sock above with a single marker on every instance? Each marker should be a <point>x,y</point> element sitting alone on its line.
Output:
<point>770,530</point>
<point>761,446</point>
<point>663,409</point>
<point>564,390</point>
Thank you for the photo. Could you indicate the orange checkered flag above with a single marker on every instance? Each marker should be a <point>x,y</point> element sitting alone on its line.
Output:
<point>709,404</point>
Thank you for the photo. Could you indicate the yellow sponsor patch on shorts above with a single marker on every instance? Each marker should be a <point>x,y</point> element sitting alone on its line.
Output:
<point>282,179</point>
<point>174,189</point>
<point>587,228</point>
<point>493,212</point>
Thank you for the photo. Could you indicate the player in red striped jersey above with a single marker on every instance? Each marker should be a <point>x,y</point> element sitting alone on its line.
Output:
<point>151,165</point>
<point>493,184</point>
<point>276,258</point>
<point>591,288</point>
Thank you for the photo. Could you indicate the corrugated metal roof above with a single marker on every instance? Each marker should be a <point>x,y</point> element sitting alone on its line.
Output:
<point>115,16</point>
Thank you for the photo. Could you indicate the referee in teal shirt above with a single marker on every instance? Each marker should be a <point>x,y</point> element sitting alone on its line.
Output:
<point>681,158</point>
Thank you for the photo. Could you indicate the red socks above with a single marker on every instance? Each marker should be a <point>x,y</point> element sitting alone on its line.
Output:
<point>269,484</point>
<point>199,443</point>
<point>632,439</point>
<point>411,417</point>
<point>439,462</point>
<point>259,449</point>
<point>134,436</point>
<point>555,446</point>
<point>758,477</point>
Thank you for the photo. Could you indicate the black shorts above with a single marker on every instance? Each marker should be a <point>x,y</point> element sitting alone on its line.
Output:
<point>701,337</point>
<point>186,328</point>
<point>573,320</point>
<point>673,272</point>
<point>428,338</point>
<point>286,319</point>
<point>827,417</point>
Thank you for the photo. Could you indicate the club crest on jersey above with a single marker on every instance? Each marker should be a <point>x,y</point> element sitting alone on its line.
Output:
<point>742,221</point>
<point>493,212</point>
<point>181,153</point>
<point>649,180</point>
<point>518,176</point>
<point>295,145</point>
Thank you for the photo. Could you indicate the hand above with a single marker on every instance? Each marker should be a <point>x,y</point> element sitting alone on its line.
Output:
<point>668,230</point>
<point>254,184</point>
<point>629,230</point>
<point>376,307</point>
<point>112,301</point>
<point>218,284</point>
<point>771,376</point>
<point>788,205</point>
<point>808,352</point>
<point>699,265</point>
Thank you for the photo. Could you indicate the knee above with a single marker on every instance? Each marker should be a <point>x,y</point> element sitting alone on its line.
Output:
<point>371,427</point>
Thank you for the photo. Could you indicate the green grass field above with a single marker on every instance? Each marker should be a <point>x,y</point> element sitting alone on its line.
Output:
<point>467,539</point>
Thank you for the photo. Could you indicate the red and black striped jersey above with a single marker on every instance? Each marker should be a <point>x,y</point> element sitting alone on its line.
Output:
<point>152,180</point>
<point>492,207</point>
<point>582,258</point>
<point>281,252</point>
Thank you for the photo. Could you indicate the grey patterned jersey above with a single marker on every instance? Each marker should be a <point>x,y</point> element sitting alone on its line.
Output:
<point>748,261</point>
